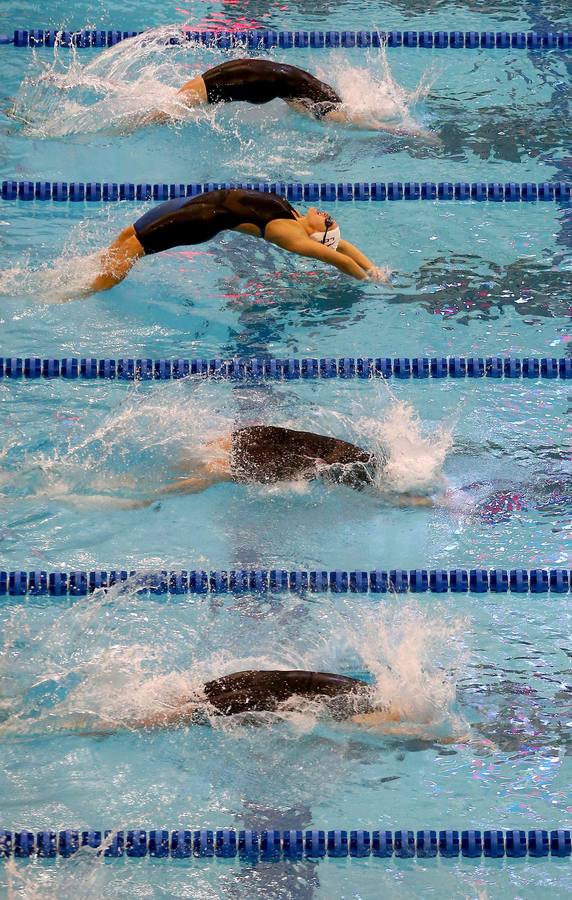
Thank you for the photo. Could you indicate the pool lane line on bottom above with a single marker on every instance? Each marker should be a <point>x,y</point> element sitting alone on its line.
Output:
<point>503,368</point>
<point>289,844</point>
<point>277,581</point>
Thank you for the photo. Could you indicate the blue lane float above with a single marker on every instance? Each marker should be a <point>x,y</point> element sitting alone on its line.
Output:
<point>266,39</point>
<point>435,368</point>
<point>277,581</point>
<point>290,844</point>
<point>329,192</point>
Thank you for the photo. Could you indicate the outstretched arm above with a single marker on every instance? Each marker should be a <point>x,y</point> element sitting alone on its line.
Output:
<point>354,253</point>
<point>296,242</point>
<point>181,715</point>
<point>193,485</point>
<point>403,129</point>
<point>379,274</point>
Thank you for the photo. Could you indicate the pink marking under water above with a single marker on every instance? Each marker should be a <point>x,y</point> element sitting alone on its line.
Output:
<point>190,254</point>
<point>209,23</point>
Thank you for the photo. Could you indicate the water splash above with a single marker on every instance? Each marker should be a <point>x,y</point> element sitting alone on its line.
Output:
<point>413,455</point>
<point>372,92</point>
<point>116,90</point>
<point>415,656</point>
<point>68,278</point>
<point>127,86</point>
<point>152,438</point>
<point>101,667</point>
<point>410,455</point>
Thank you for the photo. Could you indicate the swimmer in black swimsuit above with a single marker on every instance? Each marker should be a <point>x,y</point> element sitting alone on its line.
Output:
<point>259,81</point>
<point>274,691</point>
<point>194,220</point>
<point>267,454</point>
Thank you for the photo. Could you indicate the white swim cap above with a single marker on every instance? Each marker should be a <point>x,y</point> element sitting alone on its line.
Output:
<point>330,238</point>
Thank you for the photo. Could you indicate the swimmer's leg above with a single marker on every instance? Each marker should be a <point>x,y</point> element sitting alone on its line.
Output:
<point>194,92</point>
<point>117,261</point>
<point>207,472</point>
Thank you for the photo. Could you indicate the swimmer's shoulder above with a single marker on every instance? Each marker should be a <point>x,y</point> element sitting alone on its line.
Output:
<point>284,230</point>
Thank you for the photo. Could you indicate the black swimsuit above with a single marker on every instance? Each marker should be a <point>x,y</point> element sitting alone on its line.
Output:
<point>267,453</point>
<point>192,220</point>
<point>260,81</point>
<point>264,691</point>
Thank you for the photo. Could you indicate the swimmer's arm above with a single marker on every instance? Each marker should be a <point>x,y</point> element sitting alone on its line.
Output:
<point>182,715</point>
<point>193,485</point>
<point>352,251</point>
<point>389,721</point>
<point>411,500</point>
<point>369,123</point>
<point>304,246</point>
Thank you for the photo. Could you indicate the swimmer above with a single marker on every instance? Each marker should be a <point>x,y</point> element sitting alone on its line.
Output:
<point>268,454</point>
<point>275,691</point>
<point>194,220</point>
<point>257,454</point>
<point>259,81</point>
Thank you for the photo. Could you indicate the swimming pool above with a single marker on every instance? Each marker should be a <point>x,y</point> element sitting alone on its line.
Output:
<point>470,279</point>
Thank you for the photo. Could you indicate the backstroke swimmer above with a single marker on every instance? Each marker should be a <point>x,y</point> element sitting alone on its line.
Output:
<point>193,220</point>
<point>341,697</point>
<point>269,454</point>
<point>259,81</point>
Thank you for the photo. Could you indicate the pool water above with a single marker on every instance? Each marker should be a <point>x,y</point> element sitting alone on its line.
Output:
<point>491,674</point>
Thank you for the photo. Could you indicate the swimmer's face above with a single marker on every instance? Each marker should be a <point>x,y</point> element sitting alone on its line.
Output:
<point>319,219</point>
<point>323,228</point>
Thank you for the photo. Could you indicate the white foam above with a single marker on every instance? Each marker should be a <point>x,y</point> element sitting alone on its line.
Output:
<point>371,91</point>
<point>137,77</point>
<point>119,87</point>
<point>68,278</point>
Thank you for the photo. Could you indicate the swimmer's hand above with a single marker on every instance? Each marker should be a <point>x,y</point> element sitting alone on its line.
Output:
<point>379,274</point>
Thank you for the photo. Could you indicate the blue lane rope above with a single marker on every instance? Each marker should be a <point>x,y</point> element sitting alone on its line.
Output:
<point>243,369</point>
<point>275,581</point>
<point>110,192</point>
<point>264,39</point>
<point>276,845</point>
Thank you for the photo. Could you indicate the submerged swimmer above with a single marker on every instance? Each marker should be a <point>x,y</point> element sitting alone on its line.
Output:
<point>274,691</point>
<point>260,81</point>
<point>255,691</point>
<point>267,454</point>
<point>194,220</point>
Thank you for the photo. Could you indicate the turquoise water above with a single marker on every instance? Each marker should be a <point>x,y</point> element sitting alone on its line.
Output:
<point>491,673</point>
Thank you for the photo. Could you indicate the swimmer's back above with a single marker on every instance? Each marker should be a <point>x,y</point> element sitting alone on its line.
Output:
<point>264,691</point>
<point>268,453</point>
<point>261,80</point>
<point>192,220</point>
